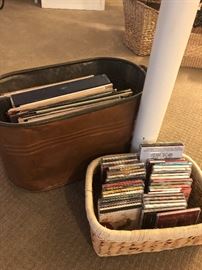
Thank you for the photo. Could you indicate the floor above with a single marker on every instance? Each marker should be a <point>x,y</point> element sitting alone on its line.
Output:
<point>50,230</point>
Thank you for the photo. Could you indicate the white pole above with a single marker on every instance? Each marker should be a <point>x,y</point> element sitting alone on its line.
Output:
<point>173,29</point>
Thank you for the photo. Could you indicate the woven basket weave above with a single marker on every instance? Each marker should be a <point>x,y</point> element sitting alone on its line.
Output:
<point>140,25</point>
<point>108,242</point>
<point>193,53</point>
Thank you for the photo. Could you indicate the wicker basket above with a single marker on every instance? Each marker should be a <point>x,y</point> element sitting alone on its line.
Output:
<point>108,242</point>
<point>140,25</point>
<point>193,53</point>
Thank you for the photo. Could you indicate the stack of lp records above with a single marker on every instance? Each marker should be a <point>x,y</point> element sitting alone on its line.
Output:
<point>63,98</point>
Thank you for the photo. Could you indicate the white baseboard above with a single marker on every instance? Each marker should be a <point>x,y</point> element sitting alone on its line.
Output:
<point>74,4</point>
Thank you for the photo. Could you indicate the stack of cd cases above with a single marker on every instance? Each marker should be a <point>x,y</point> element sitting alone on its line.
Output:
<point>169,188</point>
<point>120,204</point>
<point>171,176</point>
<point>147,190</point>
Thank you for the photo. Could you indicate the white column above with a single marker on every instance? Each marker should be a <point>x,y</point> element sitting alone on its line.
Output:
<point>173,29</point>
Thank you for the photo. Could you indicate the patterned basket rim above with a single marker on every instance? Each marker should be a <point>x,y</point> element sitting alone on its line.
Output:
<point>136,235</point>
<point>147,7</point>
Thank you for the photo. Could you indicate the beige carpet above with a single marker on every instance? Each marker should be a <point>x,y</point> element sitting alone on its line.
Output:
<point>49,230</point>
